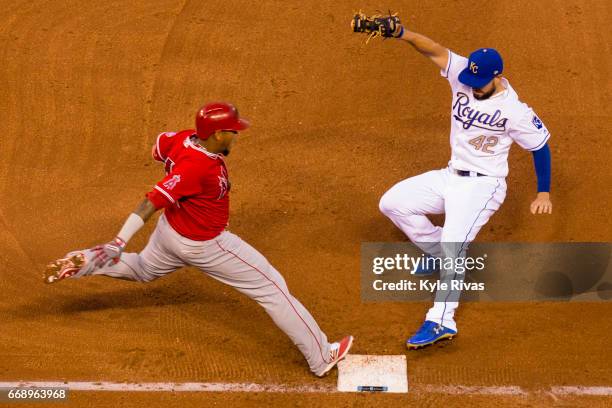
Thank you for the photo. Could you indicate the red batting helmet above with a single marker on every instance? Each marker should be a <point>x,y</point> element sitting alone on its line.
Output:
<point>217,116</point>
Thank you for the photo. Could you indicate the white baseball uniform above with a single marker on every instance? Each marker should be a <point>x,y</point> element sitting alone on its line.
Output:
<point>482,132</point>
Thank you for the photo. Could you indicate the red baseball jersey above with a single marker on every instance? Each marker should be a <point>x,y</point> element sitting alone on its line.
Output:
<point>195,191</point>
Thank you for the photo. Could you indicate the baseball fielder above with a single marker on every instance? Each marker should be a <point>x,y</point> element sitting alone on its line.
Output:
<point>486,118</point>
<point>192,231</point>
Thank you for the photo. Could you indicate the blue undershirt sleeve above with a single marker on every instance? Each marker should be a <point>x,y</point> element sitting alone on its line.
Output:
<point>542,163</point>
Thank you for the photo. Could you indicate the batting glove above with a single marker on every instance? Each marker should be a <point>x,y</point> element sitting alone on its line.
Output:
<point>110,251</point>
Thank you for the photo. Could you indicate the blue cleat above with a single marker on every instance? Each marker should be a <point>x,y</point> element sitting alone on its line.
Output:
<point>429,333</point>
<point>427,266</point>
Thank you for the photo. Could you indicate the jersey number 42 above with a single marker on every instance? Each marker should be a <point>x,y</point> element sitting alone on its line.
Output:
<point>484,143</point>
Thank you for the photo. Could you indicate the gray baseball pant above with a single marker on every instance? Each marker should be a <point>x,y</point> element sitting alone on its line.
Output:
<point>232,261</point>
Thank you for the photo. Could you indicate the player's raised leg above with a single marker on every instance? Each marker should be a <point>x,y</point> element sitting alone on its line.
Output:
<point>408,202</point>
<point>234,262</point>
<point>470,203</point>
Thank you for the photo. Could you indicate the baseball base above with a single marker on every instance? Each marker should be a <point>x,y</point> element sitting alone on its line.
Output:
<point>363,373</point>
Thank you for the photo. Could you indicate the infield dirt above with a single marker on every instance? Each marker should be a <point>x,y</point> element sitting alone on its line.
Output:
<point>86,88</point>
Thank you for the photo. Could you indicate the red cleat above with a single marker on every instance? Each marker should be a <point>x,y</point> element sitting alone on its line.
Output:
<point>337,352</point>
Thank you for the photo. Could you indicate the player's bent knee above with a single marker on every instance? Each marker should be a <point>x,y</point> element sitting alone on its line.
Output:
<point>145,276</point>
<point>387,205</point>
<point>392,203</point>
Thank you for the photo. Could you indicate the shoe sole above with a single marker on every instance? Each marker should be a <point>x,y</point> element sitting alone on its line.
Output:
<point>340,358</point>
<point>63,268</point>
<point>418,346</point>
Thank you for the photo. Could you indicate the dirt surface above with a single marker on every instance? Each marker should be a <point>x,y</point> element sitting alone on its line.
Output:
<point>105,399</point>
<point>86,87</point>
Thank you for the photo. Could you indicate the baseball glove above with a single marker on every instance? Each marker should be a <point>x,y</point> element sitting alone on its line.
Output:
<point>377,25</point>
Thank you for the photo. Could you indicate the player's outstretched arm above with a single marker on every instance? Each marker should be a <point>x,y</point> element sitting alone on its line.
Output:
<point>426,46</point>
<point>391,27</point>
<point>112,250</point>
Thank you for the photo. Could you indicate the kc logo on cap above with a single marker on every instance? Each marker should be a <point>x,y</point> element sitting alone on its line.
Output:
<point>482,67</point>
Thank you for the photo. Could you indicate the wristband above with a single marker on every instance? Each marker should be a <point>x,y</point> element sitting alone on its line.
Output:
<point>130,227</point>
<point>121,243</point>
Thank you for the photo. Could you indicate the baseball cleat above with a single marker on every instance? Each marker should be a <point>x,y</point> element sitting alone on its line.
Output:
<point>429,333</point>
<point>64,268</point>
<point>337,352</point>
<point>426,267</point>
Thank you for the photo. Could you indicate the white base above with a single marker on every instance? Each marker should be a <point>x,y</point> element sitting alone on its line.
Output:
<point>363,373</point>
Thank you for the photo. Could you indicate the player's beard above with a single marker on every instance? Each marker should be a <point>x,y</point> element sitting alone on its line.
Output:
<point>485,95</point>
<point>225,152</point>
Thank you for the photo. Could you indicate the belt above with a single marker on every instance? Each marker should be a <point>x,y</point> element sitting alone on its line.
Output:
<point>467,173</point>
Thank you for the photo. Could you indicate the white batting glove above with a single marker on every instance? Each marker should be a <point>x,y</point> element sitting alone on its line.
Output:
<point>110,251</point>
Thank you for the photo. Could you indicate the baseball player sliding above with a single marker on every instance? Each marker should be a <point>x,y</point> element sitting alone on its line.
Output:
<point>486,118</point>
<point>192,231</point>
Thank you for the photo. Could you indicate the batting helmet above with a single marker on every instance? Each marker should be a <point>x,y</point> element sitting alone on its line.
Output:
<point>217,116</point>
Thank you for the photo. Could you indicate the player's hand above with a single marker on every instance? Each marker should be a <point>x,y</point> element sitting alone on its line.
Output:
<point>542,204</point>
<point>110,251</point>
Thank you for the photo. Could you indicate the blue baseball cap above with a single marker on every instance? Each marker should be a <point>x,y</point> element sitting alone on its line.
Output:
<point>483,65</point>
